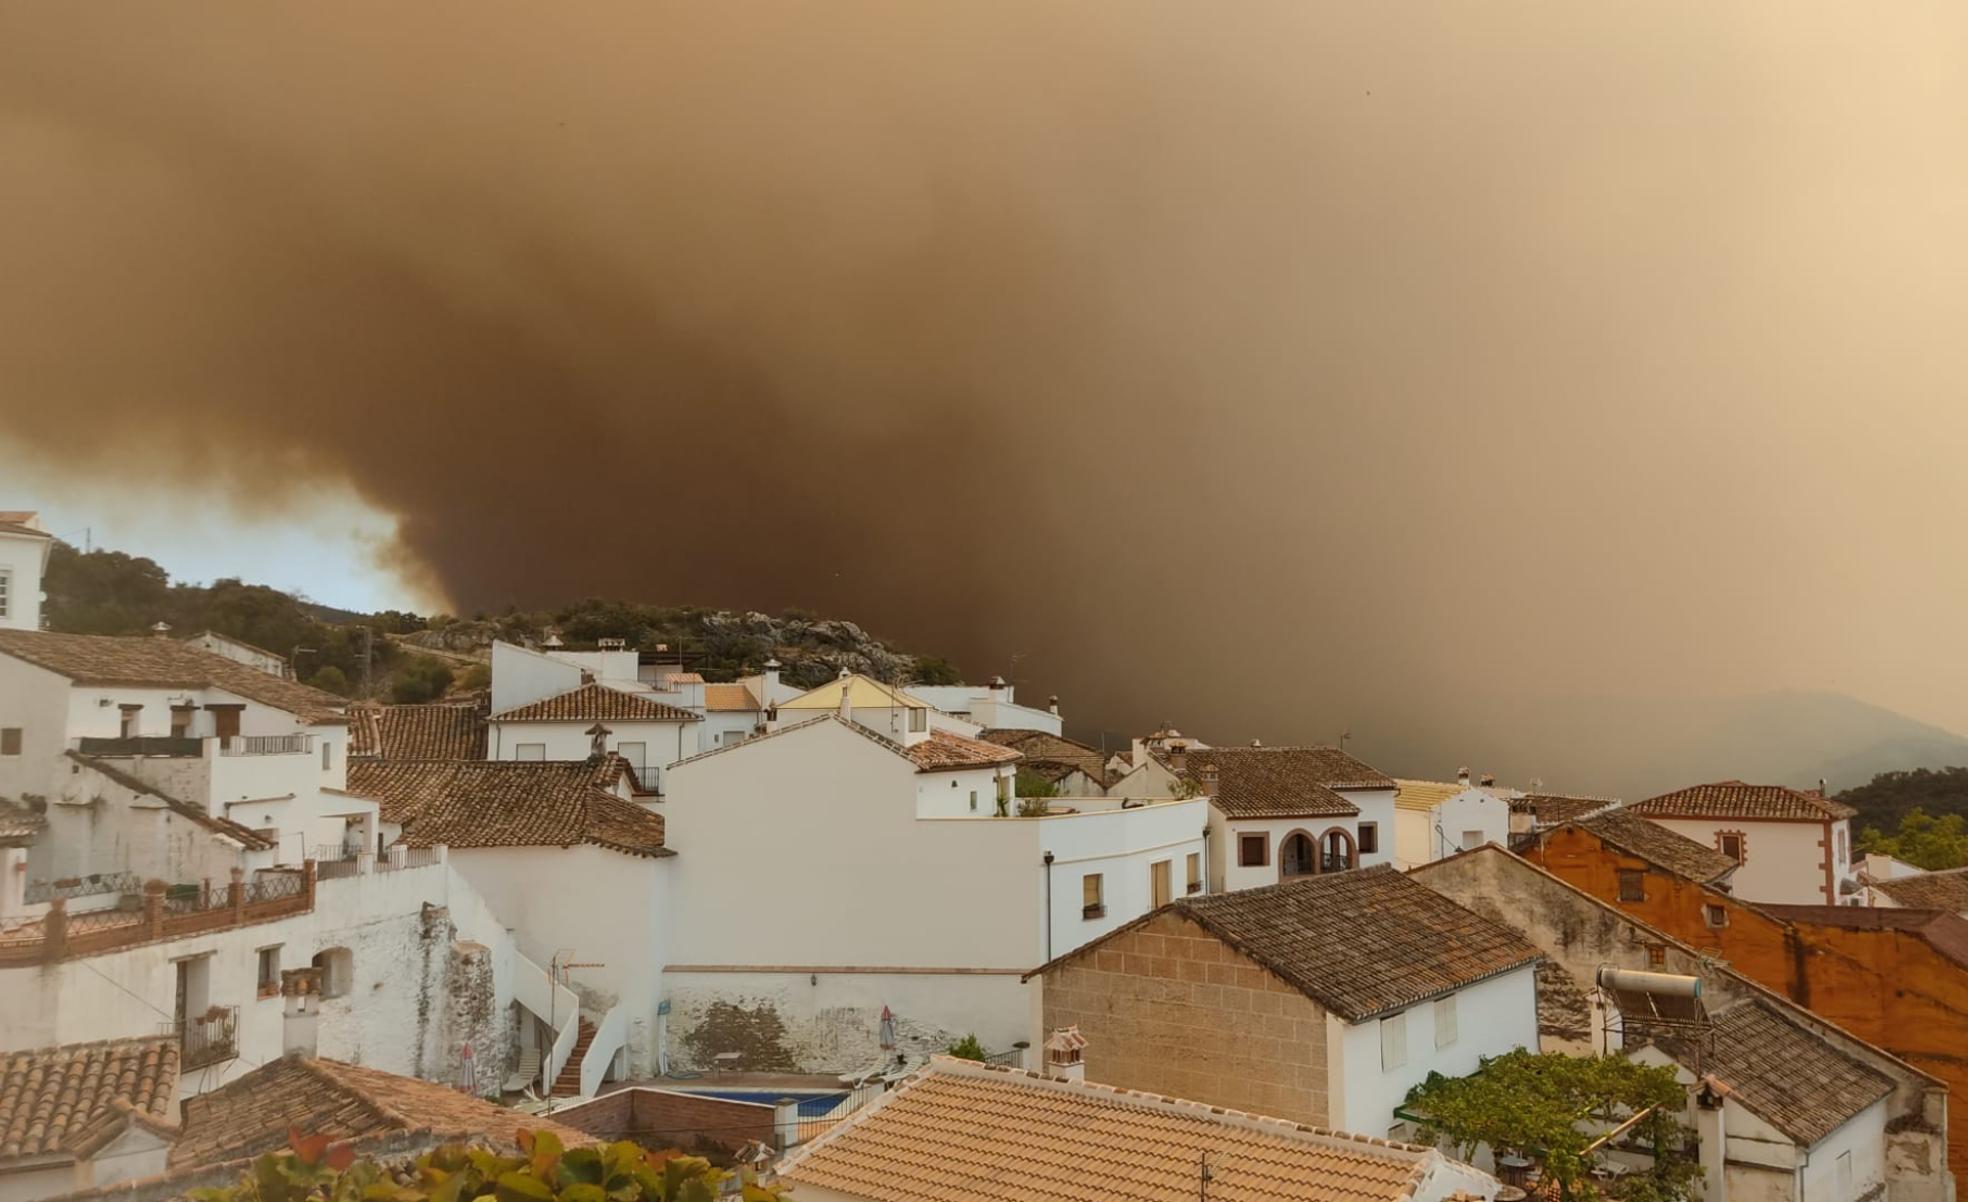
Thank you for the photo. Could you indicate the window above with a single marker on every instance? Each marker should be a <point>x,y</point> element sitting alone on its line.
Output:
<point>1369,838</point>
<point>1715,915</point>
<point>1633,885</point>
<point>530,751</point>
<point>918,719</point>
<point>269,978</point>
<point>1843,851</point>
<point>10,740</point>
<point>1251,850</point>
<point>1194,875</point>
<point>1091,903</point>
<point>337,966</point>
<point>973,800</point>
<point>1445,1021</point>
<point>180,722</point>
<point>1471,840</point>
<point>637,754</point>
<point>1394,1041</point>
<point>1160,891</point>
<point>1730,843</point>
<point>132,720</point>
<point>225,720</point>
<point>327,754</point>
<point>1656,955</point>
<point>6,592</point>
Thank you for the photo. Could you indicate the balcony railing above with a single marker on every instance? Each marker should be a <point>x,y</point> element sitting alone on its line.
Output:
<point>209,1038</point>
<point>94,885</point>
<point>160,913</point>
<point>266,744</point>
<point>164,745</point>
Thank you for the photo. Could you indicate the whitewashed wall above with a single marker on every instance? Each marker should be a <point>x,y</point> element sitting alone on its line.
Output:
<point>1492,1017</point>
<point>36,701</point>
<point>521,677</point>
<point>664,743</point>
<point>1783,861</point>
<point>21,559</point>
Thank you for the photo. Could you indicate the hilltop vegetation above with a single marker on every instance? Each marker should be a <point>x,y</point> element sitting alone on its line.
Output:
<point>1920,816</point>
<point>413,657</point>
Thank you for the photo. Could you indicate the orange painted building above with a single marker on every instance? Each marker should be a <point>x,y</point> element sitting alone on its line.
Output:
<point>1897,978</point>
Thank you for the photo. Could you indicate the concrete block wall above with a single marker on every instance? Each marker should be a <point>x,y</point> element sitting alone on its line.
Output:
<point>1168,1008</point>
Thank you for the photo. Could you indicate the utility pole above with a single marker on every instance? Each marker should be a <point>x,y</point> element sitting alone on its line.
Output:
<point>368,645</point>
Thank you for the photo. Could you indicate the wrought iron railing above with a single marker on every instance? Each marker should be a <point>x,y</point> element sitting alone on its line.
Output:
<point>166,745</point>
<point>265,744</point>
<point>93,885</point>
<point>209,1038</point>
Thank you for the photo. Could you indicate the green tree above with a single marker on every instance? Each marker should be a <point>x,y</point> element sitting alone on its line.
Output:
<point>423,679</point>
<point>934,669</point>
<point>314,1170</point>
<point>967,1048</point>
<point>1552,1109</point>
<point>1929,841</point>
<point>331,678</point>
<point>1031,784</point>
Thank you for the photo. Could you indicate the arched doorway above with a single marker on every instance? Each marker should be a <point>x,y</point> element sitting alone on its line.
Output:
<point>1336,851</point>
<point>1297,856</point>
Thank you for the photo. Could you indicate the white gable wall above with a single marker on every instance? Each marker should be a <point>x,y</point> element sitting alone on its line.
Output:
<point>1783,862</point>
<point>521,677</point>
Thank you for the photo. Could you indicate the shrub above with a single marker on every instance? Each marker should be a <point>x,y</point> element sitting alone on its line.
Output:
<point>332,679</point>
<point>478,677</point>
<point>422,679</point>
<point>967,1048</point>
<point>313,1170</point>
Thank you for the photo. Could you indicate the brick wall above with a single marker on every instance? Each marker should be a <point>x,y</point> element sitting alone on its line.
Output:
<point>1169,1008</point>
<point>661,1118</point>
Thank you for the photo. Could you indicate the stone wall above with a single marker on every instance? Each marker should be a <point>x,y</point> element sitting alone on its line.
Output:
<point>661,1118</point>
<point>1169,1008</point>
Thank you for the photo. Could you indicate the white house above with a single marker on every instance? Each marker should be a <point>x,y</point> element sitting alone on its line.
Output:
<point>1794,1118</point>
<point>1275,812</point>
<point>1794,846</point>
<point>958,1129</point>
<point>732,714</point>
<point>191,728</point>
<point>576,872</point>
<point>1890,882</point>
<point>257,658</point>
<point>826,873</point>
<point>24,551</point>
<point>1434,819</point>
<point>1323,999</point>
<point>1071,768</point>
<point>991,706</point>
<point>596,718</point>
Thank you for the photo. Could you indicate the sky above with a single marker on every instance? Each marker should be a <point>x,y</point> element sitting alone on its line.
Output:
<point>1394,369</point>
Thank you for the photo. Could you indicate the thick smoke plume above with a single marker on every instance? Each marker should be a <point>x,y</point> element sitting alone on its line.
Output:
<point>1273,368</point>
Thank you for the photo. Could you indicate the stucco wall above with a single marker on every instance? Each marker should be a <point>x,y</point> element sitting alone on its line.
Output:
<point>664,743</point>
<point>1491,1017</point>
<point>1782,861</point>
<point>21,559</point>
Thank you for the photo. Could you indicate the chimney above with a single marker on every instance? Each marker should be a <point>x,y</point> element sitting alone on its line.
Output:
<point>161,629</point>
<point>1065,1054</point>
<point>1208,778</point>
<point>1178,756</point>
<point>1052,705</point>
<point>770,684</point>
<point>1489,780</point>
<point>846,704</point>
<point>997,684</point>
<point>1257,742</point>
<point>1462,777</point>
<point>300,996</point>
<point>843,674</point>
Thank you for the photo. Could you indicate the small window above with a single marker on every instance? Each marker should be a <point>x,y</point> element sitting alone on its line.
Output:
<point>132,720</point>
<point>1194,876</point>
<point>1471,840</point>
<point>918,719</point>
<point>1394,1041</point>
<point>1656,955</point>
<point>1633,885</point>
<point>1160,891</point>
<point>1092,904</point>
<point>6,592</point>
<point>1369,838</point>
<point>1251,850</point>
<point>1843,851</point>
<point>10,740</point>
<point>973,799</point>
<point>1716,915</point>
<point>327,754</point>
<point>1445,1021</point>
<point>530,751</point>
<point>269,975</point>
<point>1730,843</point>
<point>180,723</point>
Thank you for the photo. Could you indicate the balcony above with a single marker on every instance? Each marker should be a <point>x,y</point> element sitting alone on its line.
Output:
<point>173,746</point>
<point>207,1039</point>
<point>298,744</point>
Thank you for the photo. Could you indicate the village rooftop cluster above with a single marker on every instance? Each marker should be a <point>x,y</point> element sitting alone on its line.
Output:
<point>612,899</point>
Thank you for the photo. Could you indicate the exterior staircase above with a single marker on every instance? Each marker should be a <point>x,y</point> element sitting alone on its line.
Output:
<point>568,1083</point>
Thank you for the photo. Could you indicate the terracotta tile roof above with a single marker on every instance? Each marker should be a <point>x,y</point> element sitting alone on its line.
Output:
<point>963,1132</point>
<point>596,703</point>
<point>1359,943</point>
<point>1278,782</point>
<point>10,527</point>
<point>1791,1078</point>
<point>218,824</point>
<point>506,803</point>
<point>51,1098</point>
<point>18,824</point>
<point>251,1114</point>
<point>1657,845</point>
<point>417,732</point>
<point>1945,932</point>
<point>804,723</point>
<point>729,699</point>
<point>95,659</point>
<point>1549,809</point>
<point>1039,746</point>
<point>1734,799</point>
<point>1946,890</point>
<point>943,751</point>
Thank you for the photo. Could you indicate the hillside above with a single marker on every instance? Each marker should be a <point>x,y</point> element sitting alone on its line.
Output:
<point>410,657</point>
